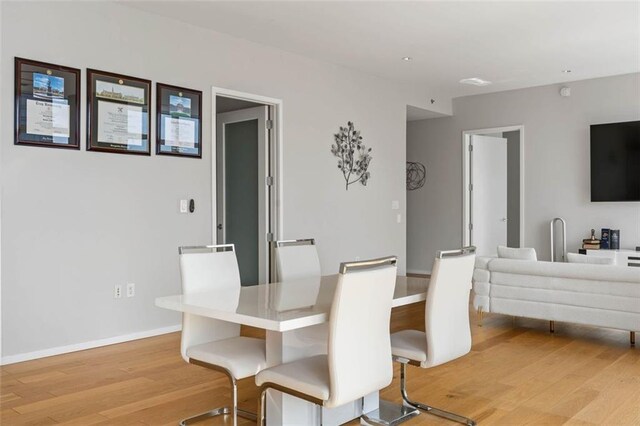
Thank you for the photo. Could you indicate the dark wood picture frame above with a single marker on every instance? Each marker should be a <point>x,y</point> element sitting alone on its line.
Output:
<point>191,114</point>
<point>25,69</point>
<point>133,85</point>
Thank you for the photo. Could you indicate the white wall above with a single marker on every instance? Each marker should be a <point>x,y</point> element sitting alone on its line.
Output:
<point>75,223</point>
<point>557,172</point>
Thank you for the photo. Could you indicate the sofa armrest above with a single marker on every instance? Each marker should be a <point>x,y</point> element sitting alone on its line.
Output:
<point>482,284</point>
<point>482,262</point>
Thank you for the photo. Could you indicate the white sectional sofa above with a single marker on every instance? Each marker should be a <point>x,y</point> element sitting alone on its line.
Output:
<point>597,295</point>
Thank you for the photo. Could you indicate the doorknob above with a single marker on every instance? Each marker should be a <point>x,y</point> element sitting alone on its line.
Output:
<point>504,219</point>
<point>220,226</point>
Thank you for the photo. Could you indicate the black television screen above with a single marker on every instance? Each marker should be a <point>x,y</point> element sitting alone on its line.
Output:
<point>615,161</point>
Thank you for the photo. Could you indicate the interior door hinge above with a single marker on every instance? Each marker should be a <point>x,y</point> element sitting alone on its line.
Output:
<point>470,187</point>
<point>471,226</point>
<point>470,147</point>
<point>269,180</point>
<point>270,236</point>
<point>269,124</point>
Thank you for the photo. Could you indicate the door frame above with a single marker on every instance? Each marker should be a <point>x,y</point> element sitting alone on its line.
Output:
<point>276,213</point>
<point>466,178</point>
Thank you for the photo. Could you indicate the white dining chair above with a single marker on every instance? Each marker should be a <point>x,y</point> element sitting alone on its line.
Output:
<point>212,343</point>
<point>359,352</point>
<point>296,259</point>
<point>448,334</point>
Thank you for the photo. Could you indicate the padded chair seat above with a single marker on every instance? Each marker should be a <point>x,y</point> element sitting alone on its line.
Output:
<point>242,356</point>
<point>309,376</point>
<point>410,344</point>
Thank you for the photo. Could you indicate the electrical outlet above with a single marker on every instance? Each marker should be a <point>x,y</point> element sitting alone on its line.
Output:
<point>117,291</point>
<point>357,258</point>
<point>184,206</point>
<point>131,289</point>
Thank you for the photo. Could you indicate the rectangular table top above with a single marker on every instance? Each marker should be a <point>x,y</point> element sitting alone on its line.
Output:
<point>281,306</point>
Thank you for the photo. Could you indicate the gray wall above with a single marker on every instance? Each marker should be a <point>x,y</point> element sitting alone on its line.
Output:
<point>513,187</point>
<point>556,132</point>
<point>75,223</point>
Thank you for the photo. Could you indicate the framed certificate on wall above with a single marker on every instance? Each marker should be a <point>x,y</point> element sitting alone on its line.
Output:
<point>178,121</point>
<point>47,105</point>
<point>118,113</point>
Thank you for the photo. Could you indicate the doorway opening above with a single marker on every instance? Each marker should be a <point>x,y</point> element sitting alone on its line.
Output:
<point>246,183</point>
<point>493,188</point>
<point>428,227</point>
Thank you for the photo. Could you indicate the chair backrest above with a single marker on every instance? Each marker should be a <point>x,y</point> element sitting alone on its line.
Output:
<point>359,349</point>
<point>296,259</point>
<point>447,307</point>
<point>207,269</point>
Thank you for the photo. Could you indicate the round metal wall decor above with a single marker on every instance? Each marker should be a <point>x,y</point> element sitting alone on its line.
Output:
<point>416,175</point>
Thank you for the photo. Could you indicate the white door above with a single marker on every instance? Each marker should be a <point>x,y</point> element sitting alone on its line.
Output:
<point>242,190</point>
<point>488,194</point>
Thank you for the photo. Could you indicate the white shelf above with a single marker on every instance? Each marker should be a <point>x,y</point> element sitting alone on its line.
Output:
<point>620,257</point>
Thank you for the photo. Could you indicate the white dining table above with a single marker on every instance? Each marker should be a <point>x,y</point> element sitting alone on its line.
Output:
<point>294,315</point>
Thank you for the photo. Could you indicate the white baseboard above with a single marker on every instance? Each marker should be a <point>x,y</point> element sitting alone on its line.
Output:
<point>418,271</point>
<point>12,359</point>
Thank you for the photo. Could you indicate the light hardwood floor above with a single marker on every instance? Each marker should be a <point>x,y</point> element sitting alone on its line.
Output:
<point>517,373</point>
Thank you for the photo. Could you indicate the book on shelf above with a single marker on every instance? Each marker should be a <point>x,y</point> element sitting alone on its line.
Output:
<point>614,238</point>
<point>604,238</point>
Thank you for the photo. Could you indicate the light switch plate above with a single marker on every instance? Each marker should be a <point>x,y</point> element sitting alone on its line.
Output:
<point>399,218</point>
<point>184,206</point>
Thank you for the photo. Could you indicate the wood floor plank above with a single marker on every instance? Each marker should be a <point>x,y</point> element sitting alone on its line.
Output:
<point>517,373</point>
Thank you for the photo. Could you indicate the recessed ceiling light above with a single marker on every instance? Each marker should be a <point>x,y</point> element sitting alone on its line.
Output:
<point>566,71</point>
<point>407,58</point>
<point>475,81</point>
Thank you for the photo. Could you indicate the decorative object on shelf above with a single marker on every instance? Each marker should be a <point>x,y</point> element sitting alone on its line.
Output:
<point>178,121</point>
<point>591,243</point>
<point>614,237</point>
<point>47,105</point>
<point>604,238</point>
<point>118,113</point>
<point>416,175</point>
<point>353,156</point>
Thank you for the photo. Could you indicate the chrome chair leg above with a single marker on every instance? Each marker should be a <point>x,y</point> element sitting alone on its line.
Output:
<point>262,420</point>
<point>262,415</point>
<point>427,408</point>
<point>223,411</point>
<point>213,413</point>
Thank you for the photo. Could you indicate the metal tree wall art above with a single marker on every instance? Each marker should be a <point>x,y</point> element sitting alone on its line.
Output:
<point>353,157</point>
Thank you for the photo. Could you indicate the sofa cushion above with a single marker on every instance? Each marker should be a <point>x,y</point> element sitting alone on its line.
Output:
<point>517,253</point>
<point>578,285</point>
<point>566,270</point>
<point>570,297</point>
<point>593,260</point>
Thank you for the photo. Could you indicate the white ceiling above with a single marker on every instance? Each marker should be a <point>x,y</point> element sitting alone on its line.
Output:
<point>512,44</point>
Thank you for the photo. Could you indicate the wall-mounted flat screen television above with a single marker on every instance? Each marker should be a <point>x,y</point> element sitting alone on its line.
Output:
<point>615,161</point>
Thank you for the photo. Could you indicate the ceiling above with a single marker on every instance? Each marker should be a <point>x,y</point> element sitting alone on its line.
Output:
<point>414,113</point>
<point>512,44</point>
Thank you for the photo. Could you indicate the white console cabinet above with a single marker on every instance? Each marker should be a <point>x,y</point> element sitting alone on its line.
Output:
<point>620,257</point>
